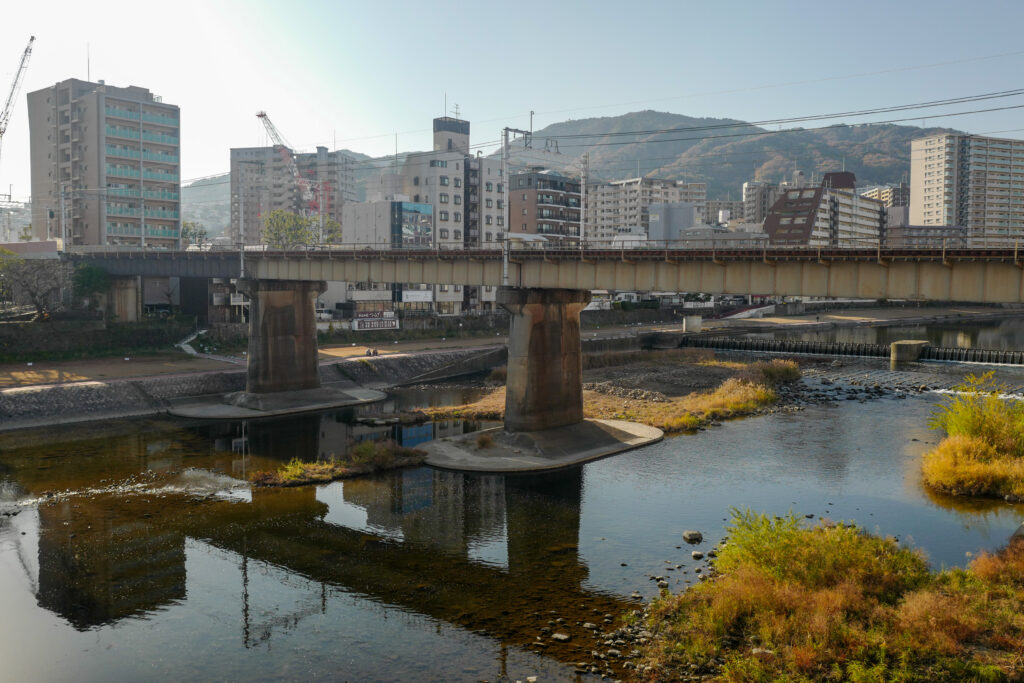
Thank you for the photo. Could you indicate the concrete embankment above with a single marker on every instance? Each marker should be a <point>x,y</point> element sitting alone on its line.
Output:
<point>52,404</point>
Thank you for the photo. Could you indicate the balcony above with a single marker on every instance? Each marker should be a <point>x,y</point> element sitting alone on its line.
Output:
<point>118,132</point>
<point>160,157</point>
<point>159,137</point>
<point>113,151</point>
<point>122,113</point>
<point>123,210</point>
<point>122,172</point>
<point>159,118</point>
<point>159,213</point>
<point>162,177</point>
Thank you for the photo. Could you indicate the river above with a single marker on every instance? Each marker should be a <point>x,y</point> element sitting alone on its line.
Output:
<point>1003,335</point>
<point>136,552</point>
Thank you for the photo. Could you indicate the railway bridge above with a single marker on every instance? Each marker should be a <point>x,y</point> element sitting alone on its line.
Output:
<point>545,289</point>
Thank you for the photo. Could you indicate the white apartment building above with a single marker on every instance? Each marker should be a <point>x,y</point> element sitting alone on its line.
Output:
<point>619,207</point>
<point>758,198</point>
<point>968,180</point>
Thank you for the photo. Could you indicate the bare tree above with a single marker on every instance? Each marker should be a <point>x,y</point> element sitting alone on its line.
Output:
<point>35,282</point>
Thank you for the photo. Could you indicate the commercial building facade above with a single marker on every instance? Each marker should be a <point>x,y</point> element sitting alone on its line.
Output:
<point>969,180</point>
<point>889,195</point>
<point>114,155</point>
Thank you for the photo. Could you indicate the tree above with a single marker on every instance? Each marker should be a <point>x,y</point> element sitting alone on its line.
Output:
<point>332,231</point>
<point>90,281</point>
<point>35,282</point>
<point>193,232</point>
<point>286,230</point>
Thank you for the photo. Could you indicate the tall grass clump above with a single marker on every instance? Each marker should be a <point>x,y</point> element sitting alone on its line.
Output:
<point>363,457</point>
<point>983,451</point>
<point>832,603</point>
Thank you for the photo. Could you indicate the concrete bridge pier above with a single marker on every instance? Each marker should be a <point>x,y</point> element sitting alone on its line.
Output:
<point>544,387</point>
<point>282,335</point>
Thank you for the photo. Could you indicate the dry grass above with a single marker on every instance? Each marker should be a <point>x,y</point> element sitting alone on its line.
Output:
<point>364,457</point>
<point>983,452</point>
<point>733,398</point>
<point>835,604</point>
<point>484,440</point>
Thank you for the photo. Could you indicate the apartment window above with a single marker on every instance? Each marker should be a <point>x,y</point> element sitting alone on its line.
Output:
<point>524,212</point>
<point>501,204</point>
<point>443,232</point>
<point>487,220</point>
<point>444,215</point>
<point>489,186</point>
<point>488,237</point>
<point>458,182</point>
<point>458,198</point>
<point>416,198</point>
<point>524,196</point>
<point>444,180</point>
<point>416,181</point>
<point>443,197</point>
<point>457,234</point>
<point>501,221</point>
<point>458,216</point>
<point>489,203</point>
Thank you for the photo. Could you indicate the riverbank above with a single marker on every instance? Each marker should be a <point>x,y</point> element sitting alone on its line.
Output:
<point>831,602</point>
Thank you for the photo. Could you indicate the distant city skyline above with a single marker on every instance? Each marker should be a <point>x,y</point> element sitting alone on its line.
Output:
<point>351,76</point>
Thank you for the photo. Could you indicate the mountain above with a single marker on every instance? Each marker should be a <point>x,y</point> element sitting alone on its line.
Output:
<point>723,157</point>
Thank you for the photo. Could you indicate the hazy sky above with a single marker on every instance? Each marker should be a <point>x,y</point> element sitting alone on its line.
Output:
<point>358,72</point>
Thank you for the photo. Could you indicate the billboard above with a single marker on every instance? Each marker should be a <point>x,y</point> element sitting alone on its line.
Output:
<point>360,324</point>
<point>417,295</point>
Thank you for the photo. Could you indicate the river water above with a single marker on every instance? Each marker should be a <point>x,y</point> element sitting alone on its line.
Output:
<point>138,553</point>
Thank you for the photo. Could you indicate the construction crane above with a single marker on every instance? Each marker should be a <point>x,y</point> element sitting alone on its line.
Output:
<point>288,156</point>
<point>5,113</point>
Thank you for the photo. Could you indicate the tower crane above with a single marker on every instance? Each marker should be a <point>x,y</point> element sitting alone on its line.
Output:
<point>288,156</point>
<point>5,113</point>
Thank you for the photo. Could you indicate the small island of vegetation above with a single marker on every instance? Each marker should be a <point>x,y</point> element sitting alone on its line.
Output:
<point>365,457</point>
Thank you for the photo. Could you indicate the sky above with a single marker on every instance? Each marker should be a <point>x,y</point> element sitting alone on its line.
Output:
<point>350,75</point>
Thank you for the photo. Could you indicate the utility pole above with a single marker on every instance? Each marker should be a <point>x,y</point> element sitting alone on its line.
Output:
<point>508,224</point>
<point>241,234</point>
<point>583,197</point>
<point>63,220</point>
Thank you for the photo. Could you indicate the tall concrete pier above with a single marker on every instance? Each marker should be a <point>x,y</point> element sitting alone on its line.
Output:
<point>282,335</point>
<point>544,387</point>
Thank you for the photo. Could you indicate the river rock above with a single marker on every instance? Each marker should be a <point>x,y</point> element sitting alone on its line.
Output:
<point>561,637</point>
<point>691,536</point>
<point>697,555</point>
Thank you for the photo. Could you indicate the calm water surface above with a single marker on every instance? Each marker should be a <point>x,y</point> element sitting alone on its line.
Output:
<point>138,553</point>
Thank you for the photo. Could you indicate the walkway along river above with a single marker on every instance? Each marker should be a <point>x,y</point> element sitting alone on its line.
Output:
<point>134,550</point>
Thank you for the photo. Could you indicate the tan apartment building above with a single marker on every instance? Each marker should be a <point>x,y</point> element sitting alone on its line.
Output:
<point>264,180</point>
<point>621,207</point>
<point>890,195</point>
<point>114,154</point>
<point>968,180</point>
<point>545,202</point>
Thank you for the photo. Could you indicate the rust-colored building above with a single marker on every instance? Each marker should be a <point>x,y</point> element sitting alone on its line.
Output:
<point>545,202</point>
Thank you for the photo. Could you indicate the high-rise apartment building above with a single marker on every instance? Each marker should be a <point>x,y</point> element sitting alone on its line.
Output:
<point>545,202</point>
<point>890,195</point>
<point>723,210</point>
<point>263,180</point>
<point>622,206</point>
<point>758,198</point>
<point>968,180</point>
<point>114,154</point>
